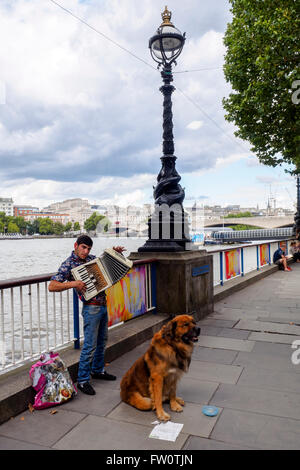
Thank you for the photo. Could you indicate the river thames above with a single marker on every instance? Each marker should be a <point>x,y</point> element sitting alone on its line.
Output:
<point>27,257</point>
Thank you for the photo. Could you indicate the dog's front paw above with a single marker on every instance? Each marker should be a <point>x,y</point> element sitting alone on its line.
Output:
<point>175,406</point>
<point>180,401</point>
<point>163,416</point>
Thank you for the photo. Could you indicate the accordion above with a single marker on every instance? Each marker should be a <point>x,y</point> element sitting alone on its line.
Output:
<point>101,273</point>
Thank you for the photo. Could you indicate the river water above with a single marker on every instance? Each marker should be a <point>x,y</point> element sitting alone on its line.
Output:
<point>22,327</point>
<point>27,257</point>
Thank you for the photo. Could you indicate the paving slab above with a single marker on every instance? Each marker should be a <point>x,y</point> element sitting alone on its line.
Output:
<point>273,338</point>
<point>258,400</point>
<point>94,404</point>
<point>213,372</point>
<point>196,391</point>
<point>201,443</point>
<point>210,330</point>
<point>41,427</point>
<point>258,430</point>
<point>208,321</point>
<point>236,314</point>
<point>96,433</point>
<point>225,343</point>
<point>7,443</point>
<point>234,333</point>
<point>268,327</point>
<point>287,319</point>
<point>193,420</point>
<point>275,349</point>
<point>267,360</point>
<point>222,356</point>
<point>254,376</point>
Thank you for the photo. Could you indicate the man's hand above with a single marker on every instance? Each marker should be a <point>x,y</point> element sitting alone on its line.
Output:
<point>119,249</point>
<point>80,286</point>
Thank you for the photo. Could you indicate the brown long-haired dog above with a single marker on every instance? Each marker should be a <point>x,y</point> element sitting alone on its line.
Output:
<point>153,378</point>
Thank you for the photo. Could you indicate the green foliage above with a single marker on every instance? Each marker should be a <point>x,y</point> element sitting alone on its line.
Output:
<point>68,226</point>
<point>44,226</point>
<point>237,216</point>
<point>91,222</point>
<point>262,64</point>
<point>58,228</point>
<point>76,226</point>
<point>12,228</point>
<point>33,227</point>
<point>244,227</point>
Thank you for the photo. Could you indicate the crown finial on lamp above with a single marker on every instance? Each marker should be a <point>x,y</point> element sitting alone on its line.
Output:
<point>166,16</point>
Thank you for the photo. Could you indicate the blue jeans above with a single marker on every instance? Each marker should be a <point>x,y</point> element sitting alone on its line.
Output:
<point>95,324</point>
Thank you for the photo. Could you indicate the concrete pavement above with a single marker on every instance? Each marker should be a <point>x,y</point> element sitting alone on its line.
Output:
<point>242,364</point>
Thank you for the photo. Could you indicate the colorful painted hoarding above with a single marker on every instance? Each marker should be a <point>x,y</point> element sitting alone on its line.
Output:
<point>127,298</point>
<point>264,254</point>
<point>233,263</point>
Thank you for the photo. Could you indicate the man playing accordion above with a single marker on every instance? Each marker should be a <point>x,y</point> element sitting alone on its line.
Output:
<point>94,313</point>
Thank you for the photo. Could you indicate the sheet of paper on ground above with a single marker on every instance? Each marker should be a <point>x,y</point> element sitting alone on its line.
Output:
<point>166,431</point>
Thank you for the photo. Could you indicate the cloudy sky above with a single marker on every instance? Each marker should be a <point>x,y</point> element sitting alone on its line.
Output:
<point>81,110</point>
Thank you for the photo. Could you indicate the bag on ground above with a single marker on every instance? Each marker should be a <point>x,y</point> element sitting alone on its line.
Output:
<point>52,381</point>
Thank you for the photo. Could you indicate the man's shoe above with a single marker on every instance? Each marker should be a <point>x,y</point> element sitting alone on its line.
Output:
<point>86,388</point>
<point>103,376</point>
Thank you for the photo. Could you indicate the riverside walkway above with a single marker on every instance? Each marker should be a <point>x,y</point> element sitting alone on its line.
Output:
<point>242,364</point>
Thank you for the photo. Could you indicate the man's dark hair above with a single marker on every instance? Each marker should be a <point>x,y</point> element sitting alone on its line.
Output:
<point>85,239</point>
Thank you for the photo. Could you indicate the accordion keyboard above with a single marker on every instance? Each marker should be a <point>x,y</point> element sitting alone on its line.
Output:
<point>93,278</point>
<point>102,272</point>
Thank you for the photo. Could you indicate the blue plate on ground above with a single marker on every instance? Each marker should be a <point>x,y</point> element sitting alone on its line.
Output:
<point>210,410</point>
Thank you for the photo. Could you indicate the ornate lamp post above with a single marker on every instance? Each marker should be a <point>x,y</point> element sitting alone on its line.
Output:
<point>168,224</point>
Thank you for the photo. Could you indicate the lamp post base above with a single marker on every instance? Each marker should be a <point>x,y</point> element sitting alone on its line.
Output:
<point>164,246</point>
<point>184,282</point>
<point>168,230</point>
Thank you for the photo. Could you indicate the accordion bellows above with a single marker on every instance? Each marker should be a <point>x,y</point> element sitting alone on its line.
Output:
<point>101,273</point>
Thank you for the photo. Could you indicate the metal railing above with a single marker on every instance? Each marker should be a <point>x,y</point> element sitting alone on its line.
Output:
<point>229,263</point>
<point>33,320</point>
<point>255,234</point>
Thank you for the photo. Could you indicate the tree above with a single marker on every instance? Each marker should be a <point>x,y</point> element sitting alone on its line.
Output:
<point>92,221</point>
<point>244,227</point>
<point>21,223</point>
<point>33,227</point>
<point>76,226</point>
<point>262,65</point>
<point>68,226</point>
<point>12,227</point>
<point>58,228</point>
<point>239,215</point>
<point>45,226</point>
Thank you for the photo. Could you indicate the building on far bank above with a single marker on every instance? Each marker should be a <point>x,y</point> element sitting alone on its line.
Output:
<point>23,210</point>
<point>6,205</point>
<point>62,218</point>
<point>77,210</point>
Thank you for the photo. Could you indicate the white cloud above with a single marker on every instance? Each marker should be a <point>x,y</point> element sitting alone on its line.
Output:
<point>194,125</point>
<point>83,118</point>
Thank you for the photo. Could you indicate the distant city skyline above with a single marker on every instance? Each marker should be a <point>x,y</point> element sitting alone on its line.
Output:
<point>84,202</point>
<point>85,119</point>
